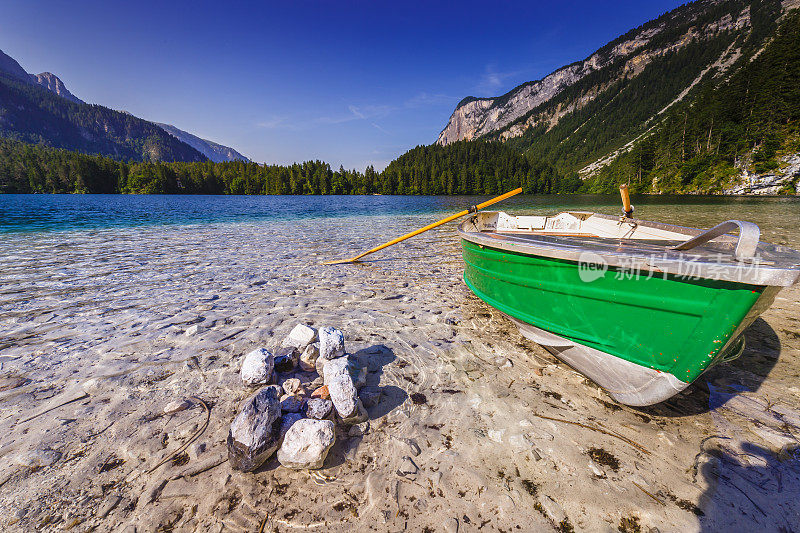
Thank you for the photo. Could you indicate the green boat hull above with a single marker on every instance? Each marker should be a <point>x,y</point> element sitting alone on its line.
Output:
<point>667,328</point>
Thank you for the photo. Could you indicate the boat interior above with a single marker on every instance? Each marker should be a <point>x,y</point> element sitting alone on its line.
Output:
<point>618,239</point>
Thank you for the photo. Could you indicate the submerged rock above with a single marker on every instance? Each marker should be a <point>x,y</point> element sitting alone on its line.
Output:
<point>300,337</point>
<point>39,458</point>
<point>257,367</point>
<point>177,406</point>
<point>331,343</point>
<point>308,359</point>
<point>408,467</point>
<point>341,387</point>
<point>318,408</point>
<point>194,330</point>
<point>450,525</point>
<point>254,434</point>
<point>307,443</point>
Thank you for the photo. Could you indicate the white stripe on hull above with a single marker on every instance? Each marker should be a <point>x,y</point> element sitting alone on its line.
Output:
<point>626,382</point>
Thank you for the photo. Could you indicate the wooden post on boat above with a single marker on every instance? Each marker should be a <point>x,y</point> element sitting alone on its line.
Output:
<point>473,209</point>
<point>627,208</point>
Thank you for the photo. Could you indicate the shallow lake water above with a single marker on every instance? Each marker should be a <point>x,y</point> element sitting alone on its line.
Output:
<point>97,294</point>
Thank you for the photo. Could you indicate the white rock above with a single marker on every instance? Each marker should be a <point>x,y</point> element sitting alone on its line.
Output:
<point>496,435</point>
<point>177,406</point>
<point>194,329</point>
<point>196,449</point>
<point>306,444</point>
<point>341,387</point>
<point>308,359</point>
<point>331,343</point>
<point>300,337</point>
<point>257,367</point>
<point>318,408</point>
<point>94,386</point>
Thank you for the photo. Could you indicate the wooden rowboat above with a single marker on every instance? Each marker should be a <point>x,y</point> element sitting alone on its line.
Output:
<point>641,308</point>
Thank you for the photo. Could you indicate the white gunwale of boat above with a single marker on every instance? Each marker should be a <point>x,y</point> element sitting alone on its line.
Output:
<point>632,244</point>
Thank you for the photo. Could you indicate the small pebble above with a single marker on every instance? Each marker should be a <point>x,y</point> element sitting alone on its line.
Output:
<point>177,406</point>
<point>38,458</point>
<point>291,386</point>
<point>194,330</point>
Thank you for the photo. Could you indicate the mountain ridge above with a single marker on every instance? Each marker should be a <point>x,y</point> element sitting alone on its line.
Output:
<point>587,115</point>
<point>217,153</point>
<point>54,127</point>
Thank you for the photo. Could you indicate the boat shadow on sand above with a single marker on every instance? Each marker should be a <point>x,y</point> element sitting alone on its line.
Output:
<point>747,485</point>
<point>746,373</point>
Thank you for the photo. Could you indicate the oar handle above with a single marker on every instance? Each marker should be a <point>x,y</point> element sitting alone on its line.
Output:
<point>627,208</point>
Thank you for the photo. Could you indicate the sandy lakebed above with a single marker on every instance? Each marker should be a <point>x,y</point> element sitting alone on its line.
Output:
<point>97,338</point>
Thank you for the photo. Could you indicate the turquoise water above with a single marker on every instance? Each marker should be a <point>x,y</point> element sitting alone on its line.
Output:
<point>47,213</point>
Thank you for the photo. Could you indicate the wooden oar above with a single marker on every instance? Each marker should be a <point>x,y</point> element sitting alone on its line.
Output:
<point>426,228</point>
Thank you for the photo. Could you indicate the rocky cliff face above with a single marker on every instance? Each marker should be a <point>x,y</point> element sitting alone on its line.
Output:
<point>784,180</point>
<point>48,80</point>
<point>52,83</point>
<point>512,114</point>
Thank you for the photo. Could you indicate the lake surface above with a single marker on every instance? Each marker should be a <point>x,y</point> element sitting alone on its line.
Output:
<point>778,217</point>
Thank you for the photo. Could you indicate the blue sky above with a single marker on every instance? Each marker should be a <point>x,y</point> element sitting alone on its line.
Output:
<point>351,83</point>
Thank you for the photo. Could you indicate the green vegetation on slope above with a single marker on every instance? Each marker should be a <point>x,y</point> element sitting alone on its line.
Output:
<point>754,115</point>
<point>32,114</point>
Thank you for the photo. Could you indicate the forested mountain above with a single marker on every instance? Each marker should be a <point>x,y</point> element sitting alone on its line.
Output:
<point>32,114</point>
<point>587,114</point>
<point>749,122</point>
<point>39,109</point>
<point>704,99</point>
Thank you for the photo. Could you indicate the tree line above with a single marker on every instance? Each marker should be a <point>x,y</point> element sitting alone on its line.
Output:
<point>477,167</point>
